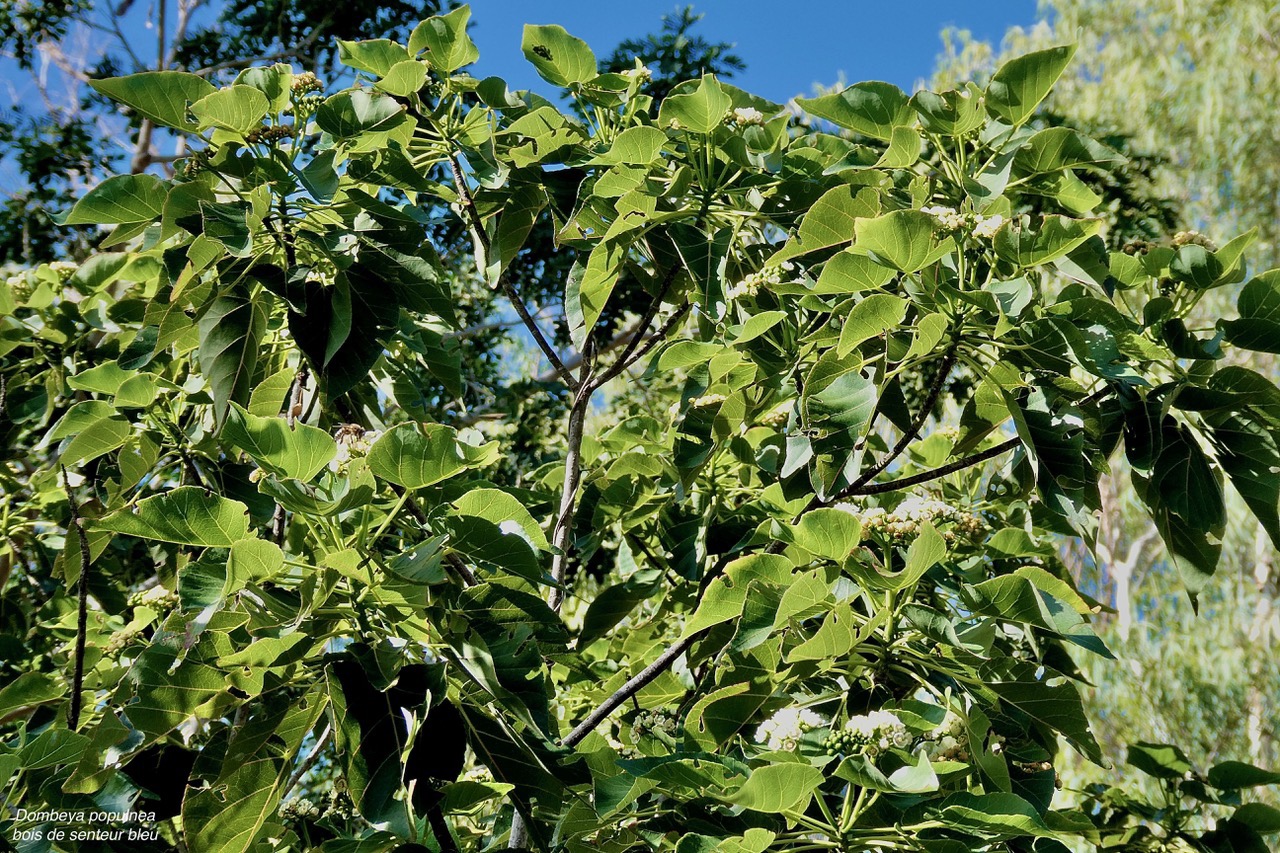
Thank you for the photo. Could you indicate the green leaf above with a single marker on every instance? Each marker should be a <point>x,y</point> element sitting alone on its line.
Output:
<point>1056,148</point>
<point>1164,761</point>
<point>503,510</point>
<point>445,39</point>
<point>96,439</point>
<point>300,452</point>
<point>869,318</point>
<point>188,515</point>
<point>830,221</point>
<point>700,111</point>
<point>635,146</point>
<point>1259,817</point>
<point>1018,86</point>
<point>52,747</point>
<point>953,113</point>
<point>252,561</point>
<point>1230,775</point>
<point>873,109</point>
<point>122,200</point>
<point>168,685</point>
<point>1187,484</point>
<point>845,402</point>
<point>1000,814</point>
<point>1056,705</point>
<point>404,78</point>
<point>29,689</point>
<point>847,272</point>
<point>902,239</point>
<point>719,715</point>
<point>356,111</point>
<point>560,59</point>
<point>832,534</point>
<point>268,399</point>
<point>416,456</point>
<point>236,108</point>
<point>1249,454</point>
<point>274,81</point>
<point>376,56</point>
<point>1056,236</point>
<point>162,96</point>
<point>230,332</point>
<point>777,788</point>
<point>835,637</point>
<point>725,596</point>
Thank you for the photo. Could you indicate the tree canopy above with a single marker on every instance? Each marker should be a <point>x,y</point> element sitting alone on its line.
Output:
<point>785,574</point>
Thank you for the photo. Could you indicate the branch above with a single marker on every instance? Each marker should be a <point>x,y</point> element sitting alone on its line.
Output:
<point>646,346</point>
<point>82,616</point>
<point>477,229</point>
<point>626,691</point>
<point>926,476</point>
<point>309,761</point>
<point>642,328</point>
<point>563,532</point>
<point>926,409</point>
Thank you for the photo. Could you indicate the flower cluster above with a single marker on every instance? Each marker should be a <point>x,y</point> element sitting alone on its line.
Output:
<point>776,417</point>
<point>479,773</point>
<point>706,400</point>
<point>767,277</point>
<point>950,219</point>
<point>660,723</point>
<point>299,809</point>
<point>905,520</point>
<point>20,286</point>
<point>640,72</point>
<point>784,729</point>
<point>157,598</point>
<point>196,162</point>
<point>63,270</point>
<point>949,742</point>
<point>743,116</point>
<point>120,639</point>
<point>306,83</point>
<point>1194,238</point>
<point>872,734</point>
<point>269,134</point>
<point>354,441</point>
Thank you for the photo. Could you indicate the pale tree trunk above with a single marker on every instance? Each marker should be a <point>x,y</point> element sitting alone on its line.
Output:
<point>1261,638</point>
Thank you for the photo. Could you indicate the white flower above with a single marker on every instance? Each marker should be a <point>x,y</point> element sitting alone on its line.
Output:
<point>949,219</point>
<point>706,400</point>
<point>748,115</point>
<point>878,731</point>
<point>641,72</point>
<point>766,278</point>
<point>784,729</point>
<point>987,226</point>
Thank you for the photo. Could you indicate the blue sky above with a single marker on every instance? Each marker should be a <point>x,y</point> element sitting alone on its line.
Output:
<point>788,46</point>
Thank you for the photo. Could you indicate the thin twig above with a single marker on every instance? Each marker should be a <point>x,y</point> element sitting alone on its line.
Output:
<point>934,474</point>
<point>641,328</point>
<point>645,346</point>
<point>477,228</point>
<point>82,615</point>
<point>922,417</point>
<point>629,689</point>
<point>309,761</point>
